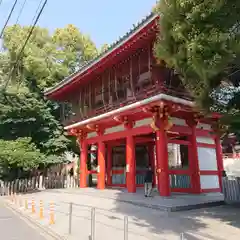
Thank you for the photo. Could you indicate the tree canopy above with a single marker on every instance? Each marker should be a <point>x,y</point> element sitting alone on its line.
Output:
<point>200,40</point>
<point>47,59</point>
<point>28,122</point>
<point>20,154</point>
<point>24,114</point>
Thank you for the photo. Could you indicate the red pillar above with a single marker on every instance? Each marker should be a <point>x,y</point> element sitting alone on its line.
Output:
<point>109,165</point>
<point>152,161</point>
<point>101,165</point>
<point>219,160</point>
<point>194,163</point>
<point>130,164</point>
<point>83,164</point>
<point>162,162</point>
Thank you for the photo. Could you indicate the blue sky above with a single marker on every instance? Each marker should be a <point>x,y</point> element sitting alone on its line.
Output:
<point>103,20</point>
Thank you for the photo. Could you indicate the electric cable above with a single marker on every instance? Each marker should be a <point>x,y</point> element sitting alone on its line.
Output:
<point>18,17</point>
<point>20,12</point>
<point>39,5</point>
<point>25,43</point>
<point>9,16</point>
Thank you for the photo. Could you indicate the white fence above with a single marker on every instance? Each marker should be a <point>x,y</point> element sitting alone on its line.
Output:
<point>231,189</point>
<point>37,183</point>
<point>231,185</point>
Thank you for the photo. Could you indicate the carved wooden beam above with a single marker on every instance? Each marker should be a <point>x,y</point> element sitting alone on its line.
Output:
<point>128,123</point>
<point>161,115</point>
<point>94,127</point>
<point>219,128</point>
<point>146,109</point>
<point>118,119</point>
<point>194,120</point>
<point>100,131</point>
<point>91,127</point>
<point>122,119</point>
<point>74,132</point>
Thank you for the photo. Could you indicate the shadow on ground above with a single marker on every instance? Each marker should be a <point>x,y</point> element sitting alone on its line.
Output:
<point>192,223</point>
<point>213,223</point>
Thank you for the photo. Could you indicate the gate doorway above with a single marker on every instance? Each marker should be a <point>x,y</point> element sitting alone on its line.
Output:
<point>92,173</point>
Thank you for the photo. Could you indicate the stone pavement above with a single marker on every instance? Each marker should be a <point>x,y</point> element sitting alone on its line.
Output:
<point>215,223</point>
<point>12,227</point>
<point>176,202</point>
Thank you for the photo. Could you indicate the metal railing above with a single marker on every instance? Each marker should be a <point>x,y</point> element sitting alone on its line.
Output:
<point>72,219</point>
<point>93,216</point>
<point>98,227</point>
<point>180,181</point>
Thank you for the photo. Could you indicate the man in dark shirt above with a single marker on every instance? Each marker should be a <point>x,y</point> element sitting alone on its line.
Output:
<point>148,181</point>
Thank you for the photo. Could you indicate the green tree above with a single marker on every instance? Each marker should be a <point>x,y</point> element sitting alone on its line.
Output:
<point>23,114</point>
<point>200,41</point>
<point>18,156</point>
<point>73,48</point>
<point>47,59</point>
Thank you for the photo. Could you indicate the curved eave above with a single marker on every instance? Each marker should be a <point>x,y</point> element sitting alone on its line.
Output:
<point>136,105</point>
<point>55,91</point>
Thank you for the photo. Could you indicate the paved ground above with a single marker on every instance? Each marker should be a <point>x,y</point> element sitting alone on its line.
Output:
<point>12,227</point>
<point>216,223</point>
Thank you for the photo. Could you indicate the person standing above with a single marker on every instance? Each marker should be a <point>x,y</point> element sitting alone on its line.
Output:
<point>148,182</point>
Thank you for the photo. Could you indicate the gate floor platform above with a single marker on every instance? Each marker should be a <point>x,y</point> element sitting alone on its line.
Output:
<point>176,202</point>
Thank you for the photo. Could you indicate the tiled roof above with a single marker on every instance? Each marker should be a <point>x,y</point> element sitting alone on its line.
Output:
<point>116,44</point>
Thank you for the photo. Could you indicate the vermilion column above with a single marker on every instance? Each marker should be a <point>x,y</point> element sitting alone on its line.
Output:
<point>109,165</point>
<point>219,159</point>
<point>101,165</point>
<point>162,162</point>
<point>130,164</point>
<point>83,164</point>
<point>194,163</point>
<point>152,161</point>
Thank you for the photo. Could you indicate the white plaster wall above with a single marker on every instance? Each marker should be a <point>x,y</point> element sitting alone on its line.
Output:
<point>143,122</point>
<point>115,129</point>
<point>204,126</point>
<point>147,121</point>
<point>205,140</point>
<point>209,181</point>
<point>178,121</point>
<point>207,159</point>
<point>91,135</point>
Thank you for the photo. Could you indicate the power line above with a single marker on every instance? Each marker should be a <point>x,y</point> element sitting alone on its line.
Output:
<point>18,17</point>
<point>20,12</point>
<point>25,43</point>
<point>39,5</point>
<point>9,16</point>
